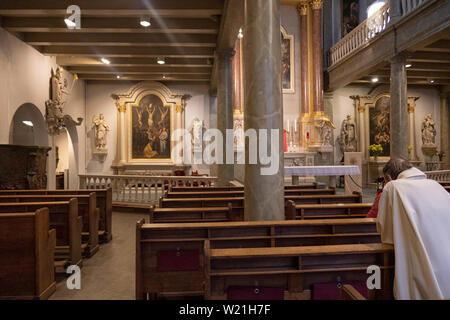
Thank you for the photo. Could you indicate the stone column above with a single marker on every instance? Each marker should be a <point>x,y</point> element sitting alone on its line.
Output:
<point>264,194</point>
<point>122,134</point>
<point>399,108</point>
<point>224,111</point>
<point>304,83</point>
<point>178,125</point>
<point>317,56</point>
<point>445,129</point>
<point>51,164</point>
<point>411,132</point>
<point>236,69</point>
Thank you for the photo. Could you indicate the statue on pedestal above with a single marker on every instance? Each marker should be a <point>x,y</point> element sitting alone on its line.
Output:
<point>347,137</point>
<point>101,129</point>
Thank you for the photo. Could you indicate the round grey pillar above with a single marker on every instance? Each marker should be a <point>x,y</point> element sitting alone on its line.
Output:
<point>264,194</point>
<point>399,108</point>
<point>225,172</point>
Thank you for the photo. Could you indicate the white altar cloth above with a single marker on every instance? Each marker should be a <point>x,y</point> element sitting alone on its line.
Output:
<point>321,171</point>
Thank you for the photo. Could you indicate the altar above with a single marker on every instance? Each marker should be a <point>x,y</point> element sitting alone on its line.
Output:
<point>332,171</point>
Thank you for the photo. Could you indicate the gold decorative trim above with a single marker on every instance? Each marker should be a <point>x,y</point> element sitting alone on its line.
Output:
<point>302,7</point>
<point>122,108</point>
<point>179,109</point>
<point>411,109</point>
<point>316,4</point>
<point>361,109</point>
<point>238,112</point>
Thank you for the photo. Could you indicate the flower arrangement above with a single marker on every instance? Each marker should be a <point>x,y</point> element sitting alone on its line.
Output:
<point>441,155</point>
<point>433,153</point>
<point>409,149</point>
<point>375,149</point>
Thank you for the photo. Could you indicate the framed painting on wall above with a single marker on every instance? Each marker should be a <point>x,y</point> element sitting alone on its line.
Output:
<point>287,62</point>
<point>150,129</point>
<point>350,16</point>
<point>379,123</point>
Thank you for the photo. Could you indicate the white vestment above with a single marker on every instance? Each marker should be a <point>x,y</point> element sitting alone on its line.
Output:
<point>414,216</point>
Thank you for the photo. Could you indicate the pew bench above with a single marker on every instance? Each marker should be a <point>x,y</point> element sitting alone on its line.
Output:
<point>87,209</point>
<point>170,257</point>
<point>27,248</point>
<point>295,273</point>
<point>104,204</point>
<point>240,193</point>
<point>234,188</point>
<point>325,199</point>
<point>326,211</point>
<point>63,217</point>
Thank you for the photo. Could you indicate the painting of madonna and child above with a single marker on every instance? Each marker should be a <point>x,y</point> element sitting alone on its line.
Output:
<point>150,123</point>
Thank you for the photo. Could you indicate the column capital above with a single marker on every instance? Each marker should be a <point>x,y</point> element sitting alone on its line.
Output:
<point>399,58</point>
<point>179,109</point>
<point>302,7</point>
<point>122,108</point>
<point>411,109</point>
<point>316,4</point>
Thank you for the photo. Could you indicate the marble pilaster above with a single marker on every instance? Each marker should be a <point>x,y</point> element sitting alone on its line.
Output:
<point>304,76</point>
<point>399,108</point>
<point>445,129</point>
<point>317,51</point>
<point>411,128</point>
<point>225,172</point>
<point>264,194</point>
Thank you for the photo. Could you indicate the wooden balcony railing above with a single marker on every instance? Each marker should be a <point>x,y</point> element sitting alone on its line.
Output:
<point>369,29</point>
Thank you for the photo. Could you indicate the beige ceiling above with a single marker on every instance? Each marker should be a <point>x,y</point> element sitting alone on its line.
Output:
<point>183,32</point>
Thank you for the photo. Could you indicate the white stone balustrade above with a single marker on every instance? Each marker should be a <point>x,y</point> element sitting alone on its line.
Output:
<point>439,175</point>
<point>139,188</point>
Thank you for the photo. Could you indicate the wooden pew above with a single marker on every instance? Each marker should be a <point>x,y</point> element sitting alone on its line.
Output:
<point>349,292</point>
<point>27,248</point>
<point>234,188</point>
<point>157,244</point>
<point>447,188</point>
<point>205,214</point>
<point>326,211</point>
<point>87,209</point>
<point>444,183</point>
<point>104,203</point>
<point>293,273</point>
<point>63,217</point>
<point>325,199</point>
<point>240,193</point>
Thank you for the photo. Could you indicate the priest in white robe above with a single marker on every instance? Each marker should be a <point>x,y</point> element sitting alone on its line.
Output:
<point>414,216</point>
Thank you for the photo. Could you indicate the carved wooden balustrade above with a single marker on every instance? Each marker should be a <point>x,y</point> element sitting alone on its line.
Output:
<point>139,188</point>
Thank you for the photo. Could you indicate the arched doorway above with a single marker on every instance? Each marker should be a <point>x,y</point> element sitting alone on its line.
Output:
<point>28,127</point>
<point>66,144</point>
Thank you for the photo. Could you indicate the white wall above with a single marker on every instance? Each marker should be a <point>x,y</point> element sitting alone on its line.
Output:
<point>429,102</point>
<point>25,78</point>
<point>290,20</point>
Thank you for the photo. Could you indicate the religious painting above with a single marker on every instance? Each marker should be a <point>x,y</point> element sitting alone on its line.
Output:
<point>150,129</point>
<point>350,15</point>
<point>379,116</point>
<point>287,62</point>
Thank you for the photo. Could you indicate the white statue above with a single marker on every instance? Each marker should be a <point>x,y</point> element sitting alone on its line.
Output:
<point>347,138</point>
<point>101,130</point>
<point>197,134</point>
<point>428,131</point>
<point>56,119</point>
<point>324,127</point>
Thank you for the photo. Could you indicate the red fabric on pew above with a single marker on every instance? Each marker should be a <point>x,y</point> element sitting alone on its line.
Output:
<point>252,293</point>
<point>178,260</point>
<point>331,290</point>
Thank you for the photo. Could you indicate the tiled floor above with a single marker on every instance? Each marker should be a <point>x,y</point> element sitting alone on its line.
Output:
<point>109,275</point>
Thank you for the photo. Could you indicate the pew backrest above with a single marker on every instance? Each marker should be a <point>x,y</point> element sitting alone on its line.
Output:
<point>27,247</point>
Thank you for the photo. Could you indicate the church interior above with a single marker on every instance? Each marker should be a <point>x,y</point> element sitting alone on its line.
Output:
<point>216,149</point>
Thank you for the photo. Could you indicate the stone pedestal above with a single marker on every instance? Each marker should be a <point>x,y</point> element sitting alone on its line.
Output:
<point>299,159</point>
<point>353,183</point>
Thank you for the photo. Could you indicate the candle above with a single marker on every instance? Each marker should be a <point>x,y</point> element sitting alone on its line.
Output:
<point>288,126</point>
<point>295,125</point>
